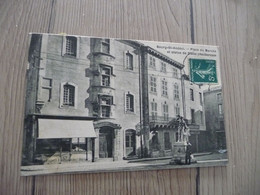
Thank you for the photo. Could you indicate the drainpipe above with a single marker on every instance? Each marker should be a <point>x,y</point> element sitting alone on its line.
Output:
<point>140,99</point>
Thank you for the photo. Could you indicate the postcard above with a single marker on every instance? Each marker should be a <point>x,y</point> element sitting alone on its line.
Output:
<point>98,104</point>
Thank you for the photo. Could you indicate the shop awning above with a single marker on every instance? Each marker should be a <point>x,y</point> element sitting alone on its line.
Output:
<point>57,128</point>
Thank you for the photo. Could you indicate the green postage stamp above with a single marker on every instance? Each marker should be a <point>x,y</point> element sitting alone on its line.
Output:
<point>203,71</point>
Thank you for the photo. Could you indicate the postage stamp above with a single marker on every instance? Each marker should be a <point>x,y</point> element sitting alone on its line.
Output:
<point>203,71</point>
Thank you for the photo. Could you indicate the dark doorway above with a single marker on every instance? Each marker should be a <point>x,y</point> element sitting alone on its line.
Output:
<point>130,142</point>
<point>106,142</point>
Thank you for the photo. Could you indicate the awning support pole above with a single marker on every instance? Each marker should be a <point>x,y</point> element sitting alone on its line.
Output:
<point>60,149</point>
<point>70,149</point>
<point>86,148</point>
<point>93,149</point>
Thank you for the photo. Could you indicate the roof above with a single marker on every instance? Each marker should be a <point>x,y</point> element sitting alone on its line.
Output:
<point>154,52</point>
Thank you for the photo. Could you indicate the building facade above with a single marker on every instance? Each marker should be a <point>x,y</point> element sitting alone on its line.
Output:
<point>215,118</point>
<point>96,98</point>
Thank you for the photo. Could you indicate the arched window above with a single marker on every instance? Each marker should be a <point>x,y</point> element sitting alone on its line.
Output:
<point>68,95</point>
<point>129,102</point>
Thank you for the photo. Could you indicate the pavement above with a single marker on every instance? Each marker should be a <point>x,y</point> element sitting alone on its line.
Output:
<point>207,159</point>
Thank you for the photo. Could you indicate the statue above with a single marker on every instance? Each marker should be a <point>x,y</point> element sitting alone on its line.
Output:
<point>183,130</point>
<point>181,150</point>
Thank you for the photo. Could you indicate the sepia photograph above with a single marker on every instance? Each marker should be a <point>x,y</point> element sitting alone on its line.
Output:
<point>98,104</point>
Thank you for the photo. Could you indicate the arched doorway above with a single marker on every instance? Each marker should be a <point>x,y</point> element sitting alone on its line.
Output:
<point>106,135</point>
<point>130,142</point>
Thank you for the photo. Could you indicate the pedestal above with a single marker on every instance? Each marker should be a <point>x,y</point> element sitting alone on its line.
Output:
<point>179,152</point>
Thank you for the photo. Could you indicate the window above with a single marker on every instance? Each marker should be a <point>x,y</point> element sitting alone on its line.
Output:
<point>221,125</point>
<point>71,46</point>
<point>200,98</point>
<point>165,112</point>
<point>176,92</point>
<point>105,46</point>
<point>220,110</point>
<point>130,138</point>
<point>219,97</point>
<point>191,95</point>
<point>177,110</point>
<point>175,73</point>
<point>68,95</point>
<point>167,143</point>
<point>129,61</point>
<point>152,62</point>
<point>105,111</point>
<point>163,67</point>
<point>192,116</point>
<point>129,102</point>
<point>105,102</point>
<point>164,88</point>
<point>201,118</point>
<point>153,84</point>
<point>154,110</point>
<point>106,72</point>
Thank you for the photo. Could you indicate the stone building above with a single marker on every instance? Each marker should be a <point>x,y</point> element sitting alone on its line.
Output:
<point>57,121</point>
<point>114,97</point>
<point>215,118</point>
<point>195,115</point>
<point>95,98</point>
<point>167,93</point>
<point>79,100</point>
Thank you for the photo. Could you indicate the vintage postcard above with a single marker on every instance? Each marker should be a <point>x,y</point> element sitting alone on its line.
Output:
<point>103,104</point>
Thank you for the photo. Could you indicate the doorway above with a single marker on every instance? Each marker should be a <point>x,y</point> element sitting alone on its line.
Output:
<point>130,142</point>
<point>106,142</point>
